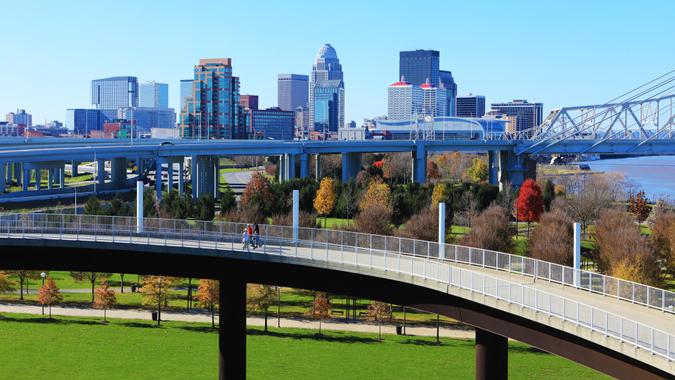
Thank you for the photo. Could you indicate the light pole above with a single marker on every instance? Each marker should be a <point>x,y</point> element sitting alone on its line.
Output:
<point>43,275</point>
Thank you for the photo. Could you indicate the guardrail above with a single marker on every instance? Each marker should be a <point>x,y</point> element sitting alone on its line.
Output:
<point>320,250</point>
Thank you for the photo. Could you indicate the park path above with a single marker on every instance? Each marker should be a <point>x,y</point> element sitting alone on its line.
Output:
<point>251,321</point>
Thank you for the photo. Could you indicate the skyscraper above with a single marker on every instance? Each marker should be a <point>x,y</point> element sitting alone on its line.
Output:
<point>528,115</point>
<point>292,91</point>
<point>471,106</point>
<point>185,92</point>
<point>404,101</point>
<point>448,82</point>
<point>418,66</point>
<point>326,92</point>
<point>213,110</point>
<point>153,95</point>
<point>114,92</point>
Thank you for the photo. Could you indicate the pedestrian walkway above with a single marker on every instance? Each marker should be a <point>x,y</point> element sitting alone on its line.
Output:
<point>251,321</point>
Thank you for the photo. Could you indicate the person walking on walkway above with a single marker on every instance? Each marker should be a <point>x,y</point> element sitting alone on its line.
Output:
<point>249,232</point>
<point>256,236</point>
<point>245,239</point>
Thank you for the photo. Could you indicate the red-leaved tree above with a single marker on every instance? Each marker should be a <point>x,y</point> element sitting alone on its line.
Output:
<point>530,203</point>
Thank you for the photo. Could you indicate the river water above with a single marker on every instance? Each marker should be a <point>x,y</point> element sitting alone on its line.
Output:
<point>654,174</point>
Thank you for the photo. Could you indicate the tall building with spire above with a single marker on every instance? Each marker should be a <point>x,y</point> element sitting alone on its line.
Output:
<point>213,110</point>
<point>326,92</point>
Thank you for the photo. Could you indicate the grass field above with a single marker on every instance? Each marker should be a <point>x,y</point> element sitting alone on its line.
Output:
<point>79,348</point>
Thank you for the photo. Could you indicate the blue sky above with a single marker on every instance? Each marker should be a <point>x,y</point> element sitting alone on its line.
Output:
<point>559,53</point>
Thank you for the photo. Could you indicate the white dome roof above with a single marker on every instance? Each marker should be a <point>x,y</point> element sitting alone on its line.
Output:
<point>326,52</point>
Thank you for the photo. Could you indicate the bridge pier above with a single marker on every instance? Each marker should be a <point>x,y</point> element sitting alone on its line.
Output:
<point>38,178</point>
<point>419,164</point>
<point>3,179</point>
<point>317,167</point>
<point>50,178</point>
<point>351,164</point>
<point>515,169</point>
<point>25,181</point>
<point>290,164</point>
<point>158,178</point>
<point>232,330</point>
<point>304,165</point>
<point>181,177</point>
<point>494,168</point>
<point>118,172</point>
<point>62,176</point>
<point>100,172</point>
<point>491,356</point>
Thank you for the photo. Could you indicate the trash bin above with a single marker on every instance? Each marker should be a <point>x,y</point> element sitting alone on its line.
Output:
<point>134,288</point>
<point>399,330</point>
<point>154,316</point>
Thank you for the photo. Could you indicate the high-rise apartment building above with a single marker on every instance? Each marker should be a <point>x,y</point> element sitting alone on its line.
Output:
<point>326,92</point>
<point>404,101</point>
<point>249,101</point>
<point>185,92</point>
<point>419,66</point>
<point>292,91</point>
<point>114,92</point>
<point>471,106</point>
<point>213,110</point>
<point>434,100</point>
<point>153,95</point>
<point>528,115</point>
<point>20,118</point>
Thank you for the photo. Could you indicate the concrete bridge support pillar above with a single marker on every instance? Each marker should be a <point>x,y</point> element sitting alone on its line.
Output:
<point>351,164</point>
<point>62,176</point>
<point>25,180</point>
<point>204,173</point>
<point>516,168</point>
<point>194,176</point>
<point>3,176</point>
<point>73,169</point>
<point>50,178</point>
<point>158,178</point>
<point>18,173</point>
<point>169,172</point>
<point>118,172</point>
<point>281,168</point>
<point>491,356</point>
<point>38,178</point>
<point>304,165</point>
<point>317,167</point>
<point>181,177</point>
<point>100,172</point>
<point>215,175</point>
<point>494,168</point>
<point>419,162</point>
<point>232,330</point>
<point>290,164</point>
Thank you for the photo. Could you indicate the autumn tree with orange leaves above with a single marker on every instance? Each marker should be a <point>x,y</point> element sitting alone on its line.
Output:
<point>50,295</point>
<point>105,299</point>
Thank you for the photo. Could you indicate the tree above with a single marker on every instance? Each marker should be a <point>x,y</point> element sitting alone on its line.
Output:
<point>621,250</point>
<point>588,196</point>
<point>379,312</point>
<point>491,230</point>
<point>433,173</point>
<point>205,208</point>
<point>208,294</point>
<point>260,298</point>
<point>440,194</point>
<point>257,194</point>
<point>530,203</point>
<point>347,201</point>
<point>105,299</point>
<point>663,239</point>
<point>320,308</point>
<point>93,207</point>
<point>552,239</point>
<point>156,291</point>
<point>375,219</point>
<point>23,276</point>
<point>422,226</point>
<point>478,172</point>
<point>50,295</point>
<point>378,193</point>
<point>228,200</point>
<point>325,198</point>
<point>92,277</point>
<point>638,205</point>
<point>396,167</point>
<point>548,194</point>
<point>6,285</point>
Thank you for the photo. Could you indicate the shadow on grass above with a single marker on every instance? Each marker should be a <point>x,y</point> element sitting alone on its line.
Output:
<point>432,342</point>
<point>53,321</point>
<point>143,325</point>
<point>322,337</point>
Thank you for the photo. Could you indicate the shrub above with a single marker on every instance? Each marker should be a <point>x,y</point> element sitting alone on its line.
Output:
<point>491,230</point>
<point>552,239</point>
<point>307,219</point>
<point>374,219</point>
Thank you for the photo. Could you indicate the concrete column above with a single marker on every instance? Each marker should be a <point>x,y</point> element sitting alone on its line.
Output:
<point>304,165</point>
<point>139,206</point>
<point>73,169</point>
<point>290,165</point>
<point>3,176</point>
<point>62,177</point>
<point>282,168</point>
<point>317,167</point>
<point>491,356</point>
<point>25,181</point>
<point>441,230</point>
<point>118,172</point>
<point>494,168</point>
<point>100,172</point>
<point>351,164</point>
<point>216,177</point>
<point>516,168</point>
<point>232,330</point>
<point>181,177</point>
<point>194,177</point>
<point>420,163</point>
<point>169,172</point>
<point>38,178</point>
<point>18,173</point>
<point>158,178</point>
<point>50,178</point>
<point>577,253</point>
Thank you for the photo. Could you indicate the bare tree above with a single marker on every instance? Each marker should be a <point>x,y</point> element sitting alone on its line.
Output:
<point>588,195</point>
<point>491,230</point>
<point>552,238</point>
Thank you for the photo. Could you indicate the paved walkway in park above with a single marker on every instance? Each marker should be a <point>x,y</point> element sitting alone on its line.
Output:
<point>251,321</point>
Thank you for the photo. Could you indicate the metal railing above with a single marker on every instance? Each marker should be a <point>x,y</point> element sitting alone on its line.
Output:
<point>321,248</point>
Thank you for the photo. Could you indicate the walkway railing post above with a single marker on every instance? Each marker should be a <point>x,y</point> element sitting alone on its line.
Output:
<point>296,214</point>
<point>441,230</point>
<point>139,206</point>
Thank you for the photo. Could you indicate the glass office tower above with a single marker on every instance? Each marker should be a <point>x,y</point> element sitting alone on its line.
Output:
<point>418,66</point>
<point>292,91</point>
<point>153,95</point>
<point>114,92</point>
<point>326,92</point>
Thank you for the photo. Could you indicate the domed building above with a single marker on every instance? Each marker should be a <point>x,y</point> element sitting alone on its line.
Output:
<point>326,92</point>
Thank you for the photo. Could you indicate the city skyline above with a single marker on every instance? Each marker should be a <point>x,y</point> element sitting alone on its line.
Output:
<point>577,69</point>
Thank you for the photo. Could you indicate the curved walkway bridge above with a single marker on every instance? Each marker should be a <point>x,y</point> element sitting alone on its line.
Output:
<point>621,328</point>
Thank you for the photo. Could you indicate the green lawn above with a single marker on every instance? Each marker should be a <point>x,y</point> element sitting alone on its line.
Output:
<point>80,348</point>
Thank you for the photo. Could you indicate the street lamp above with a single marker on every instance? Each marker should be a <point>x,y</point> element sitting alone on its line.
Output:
<point>43,275</point>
